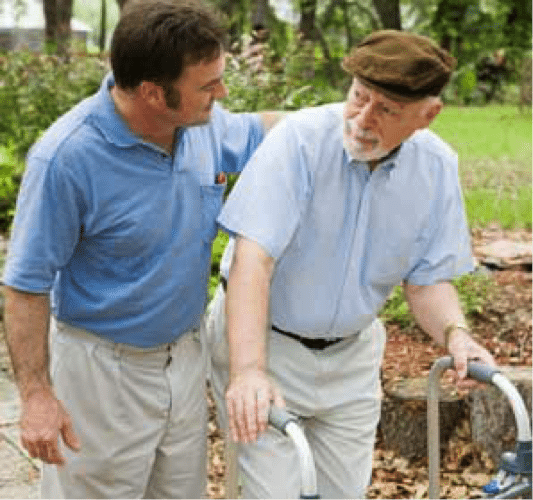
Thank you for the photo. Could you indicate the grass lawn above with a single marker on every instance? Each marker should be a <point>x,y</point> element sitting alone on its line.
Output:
<point>495,158</point>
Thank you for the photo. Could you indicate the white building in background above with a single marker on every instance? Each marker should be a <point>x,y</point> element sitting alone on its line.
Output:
<point>22,25</point>
<point>285,11</point>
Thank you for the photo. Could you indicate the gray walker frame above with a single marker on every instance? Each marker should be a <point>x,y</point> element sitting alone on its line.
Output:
<point>515,468</point>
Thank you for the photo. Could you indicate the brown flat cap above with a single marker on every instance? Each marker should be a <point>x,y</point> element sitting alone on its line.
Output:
<point>403,66</point>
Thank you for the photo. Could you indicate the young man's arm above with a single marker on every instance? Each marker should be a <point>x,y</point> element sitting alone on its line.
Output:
<point>250,390</point>
<point>437,308</point>
<point>43,417</point>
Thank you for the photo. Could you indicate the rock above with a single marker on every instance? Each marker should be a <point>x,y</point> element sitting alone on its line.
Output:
<point>491,418</point>
<point>404,416</point>
<point>503,254</point>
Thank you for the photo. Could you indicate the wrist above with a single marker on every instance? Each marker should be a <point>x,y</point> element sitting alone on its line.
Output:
<point>246,371</point>
<point>451,329</point>
<point>36,392</point>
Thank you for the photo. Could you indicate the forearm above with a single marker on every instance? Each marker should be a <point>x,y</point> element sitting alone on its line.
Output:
<point>26,319</point>
<point>247,307</point>
<point>434,308</point>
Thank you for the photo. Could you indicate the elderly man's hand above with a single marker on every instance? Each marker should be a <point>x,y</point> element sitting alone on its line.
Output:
<point>248,399</point>
<point>463,348</point>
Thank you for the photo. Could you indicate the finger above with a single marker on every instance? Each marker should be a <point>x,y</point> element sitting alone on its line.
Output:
<point>52,455</point>
<point>230,408</point>
<point>251,418</point>
<point>240,418</point>
<point>486,357</point>
<point>460,364</point>
<point>30,447</point>
<point>69,436</point>
<point>42,452</point>
<point>277,397</point>
<point>263,406</point>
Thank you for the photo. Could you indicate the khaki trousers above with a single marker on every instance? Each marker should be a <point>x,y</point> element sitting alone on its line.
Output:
<point>141,419</point>
<point>335,392</point>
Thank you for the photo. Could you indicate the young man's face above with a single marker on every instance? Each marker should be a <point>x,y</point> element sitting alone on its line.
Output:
<point>374,124</point>
<point>191,97</point>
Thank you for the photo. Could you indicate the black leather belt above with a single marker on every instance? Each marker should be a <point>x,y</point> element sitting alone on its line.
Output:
<point>318,344</point>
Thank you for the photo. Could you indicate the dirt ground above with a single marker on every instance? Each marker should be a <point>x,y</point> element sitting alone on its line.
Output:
<point>504,327</point>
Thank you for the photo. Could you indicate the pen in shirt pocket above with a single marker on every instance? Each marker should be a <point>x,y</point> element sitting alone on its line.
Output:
<point>220,178</point>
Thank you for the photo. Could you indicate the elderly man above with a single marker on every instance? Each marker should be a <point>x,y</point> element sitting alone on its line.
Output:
<point>337,206</point>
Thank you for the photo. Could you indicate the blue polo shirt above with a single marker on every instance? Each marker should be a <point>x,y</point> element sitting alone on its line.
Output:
<point>118,230</point>
<point>343,237</point>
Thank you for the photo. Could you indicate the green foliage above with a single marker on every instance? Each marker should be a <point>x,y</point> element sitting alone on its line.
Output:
<point>11,169</point>
<point>289,84</point>
<point>216,255</point>
<point>495,132</point>
<point>35,90</point>
<point>495,153</point>
<point>509,210</point>
<point>463,85</point>
<point>396,309</point>
<point>473,290</point>
<point>218,249</point>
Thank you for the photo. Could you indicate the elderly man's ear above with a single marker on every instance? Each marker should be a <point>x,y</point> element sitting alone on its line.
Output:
<point>432,110</point>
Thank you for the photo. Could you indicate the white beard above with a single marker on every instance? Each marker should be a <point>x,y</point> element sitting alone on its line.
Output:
<point>358,150</point>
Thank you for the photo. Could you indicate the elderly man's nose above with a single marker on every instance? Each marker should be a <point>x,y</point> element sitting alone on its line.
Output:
<point>365,117</point>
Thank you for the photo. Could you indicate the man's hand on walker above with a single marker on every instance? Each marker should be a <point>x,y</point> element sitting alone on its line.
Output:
<point>463,348</point>
<point>248,399</point>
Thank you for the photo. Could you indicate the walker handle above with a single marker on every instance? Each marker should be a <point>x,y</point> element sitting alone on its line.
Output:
<point>481,371</point>
<point>279,418</point>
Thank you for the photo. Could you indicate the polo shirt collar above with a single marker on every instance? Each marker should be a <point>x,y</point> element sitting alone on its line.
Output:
<point>109,122</point>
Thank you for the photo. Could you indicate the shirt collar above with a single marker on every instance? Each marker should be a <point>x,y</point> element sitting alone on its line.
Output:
<point>387,162</point>
<point>109,122</point>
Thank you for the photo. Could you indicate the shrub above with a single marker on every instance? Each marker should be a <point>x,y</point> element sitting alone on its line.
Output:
<point>35,90</point>
<point>473,290</point>
<point>275,86</point>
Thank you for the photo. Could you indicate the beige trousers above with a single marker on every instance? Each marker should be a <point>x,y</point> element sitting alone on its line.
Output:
<point>336,393</point>
<point>141,419</point>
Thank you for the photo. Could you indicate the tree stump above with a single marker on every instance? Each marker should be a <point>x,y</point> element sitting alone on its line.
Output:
<point>491,418</point>
<point>404,416</point>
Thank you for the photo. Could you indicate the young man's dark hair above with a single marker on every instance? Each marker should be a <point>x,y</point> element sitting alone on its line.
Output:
<point>155,39</point>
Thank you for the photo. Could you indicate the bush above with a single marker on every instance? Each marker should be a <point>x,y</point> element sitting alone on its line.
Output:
<point>276,86</point>
<point>11,169</point>
<point>473,291</point>
<point>35,90</point>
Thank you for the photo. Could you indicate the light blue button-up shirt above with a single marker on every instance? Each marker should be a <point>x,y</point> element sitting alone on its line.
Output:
<point>343,237</point>
<point>119,230</point>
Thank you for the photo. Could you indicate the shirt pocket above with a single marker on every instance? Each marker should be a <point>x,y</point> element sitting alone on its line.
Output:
<point>212,196</point>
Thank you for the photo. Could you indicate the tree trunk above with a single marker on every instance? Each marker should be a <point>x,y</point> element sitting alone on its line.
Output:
<point>57,33</point>
<point>103,26</point>
<point>389,13</point>
<point>64,16</point>
<point>491,417</point>
<point>403,421</point>
<point>259,15</point>
<point>307,21</point>
<point>50,25</point>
